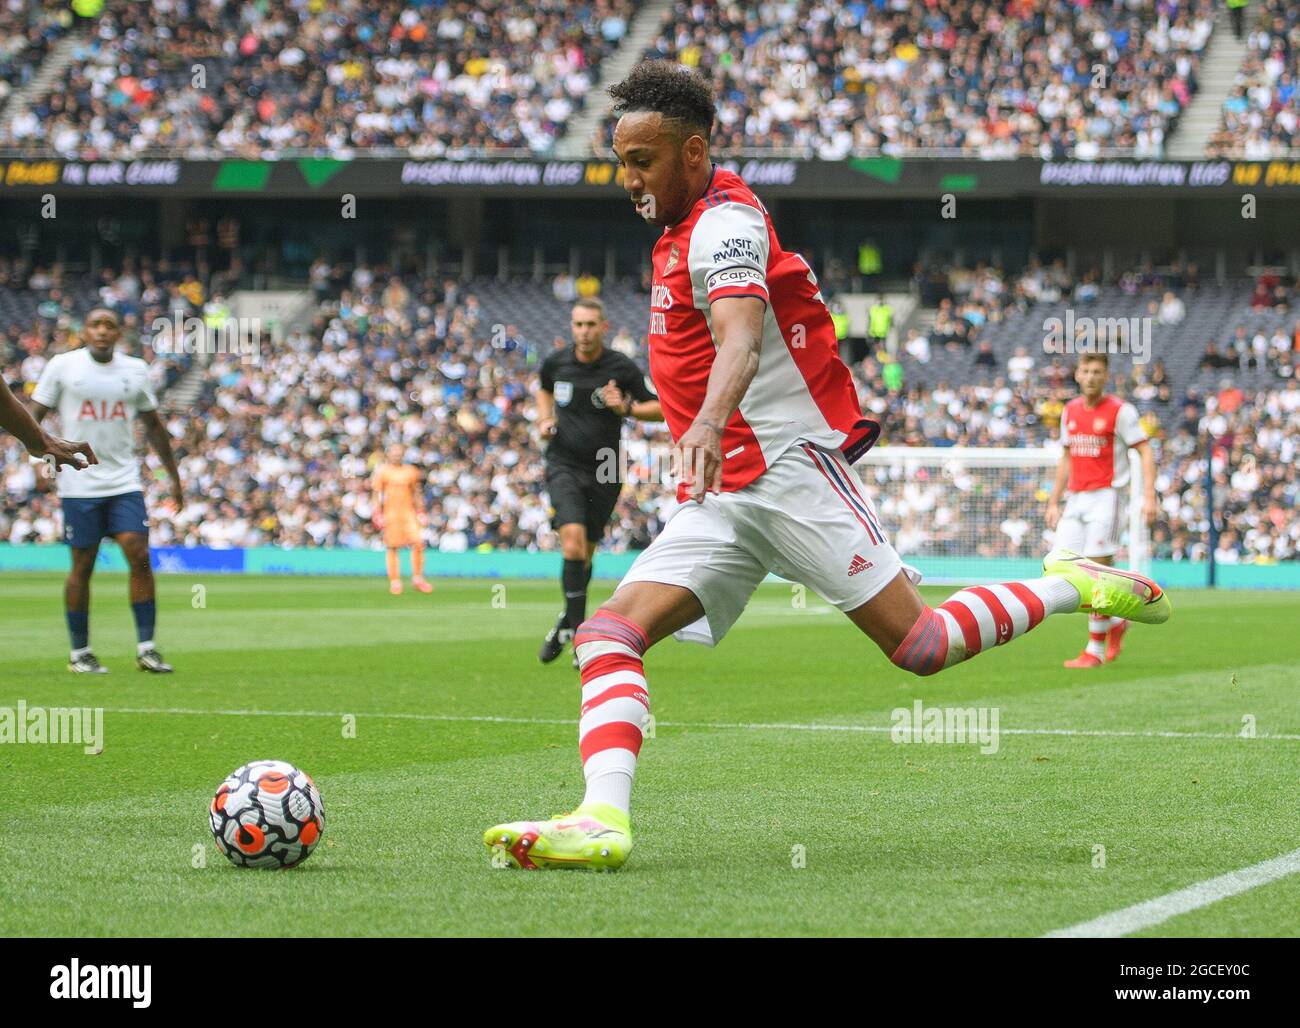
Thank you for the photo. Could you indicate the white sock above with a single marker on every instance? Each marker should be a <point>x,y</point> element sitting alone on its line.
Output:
<point>144,647</point>
<point>1057,594</point>
<point>78,654</point>
<point>615,706</point>
<point>613,787</point>
<point>1097,627</point>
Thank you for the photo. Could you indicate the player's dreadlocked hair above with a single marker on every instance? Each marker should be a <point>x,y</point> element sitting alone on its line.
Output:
<point>670,90</point>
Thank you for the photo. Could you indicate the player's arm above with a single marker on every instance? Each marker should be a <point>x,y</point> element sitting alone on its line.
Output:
<point>728,256</point>
<point>1058,489</point>
<point>1148,457</point>
<point>15,419</point>
<point>26,428</point>
<point>646,410</point>
<point>545,400</point>
<point>1129,430</point>
<point>738,334</point>
<point>636,401</point>
<point>156,433</point>
<point>544,397</point>
<point>417,501</point>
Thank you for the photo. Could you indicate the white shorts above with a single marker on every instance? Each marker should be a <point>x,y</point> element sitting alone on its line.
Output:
<point>1092,522</point>
<point>806,519</point>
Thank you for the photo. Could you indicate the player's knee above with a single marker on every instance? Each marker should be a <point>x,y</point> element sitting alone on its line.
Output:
<point>81,569</point>
<point>608,632</point>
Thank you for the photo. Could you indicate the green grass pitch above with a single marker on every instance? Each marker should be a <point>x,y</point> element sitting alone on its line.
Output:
<point>755,767</point>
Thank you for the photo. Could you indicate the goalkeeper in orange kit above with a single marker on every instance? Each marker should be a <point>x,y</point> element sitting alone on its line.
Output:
<point>399,513</point>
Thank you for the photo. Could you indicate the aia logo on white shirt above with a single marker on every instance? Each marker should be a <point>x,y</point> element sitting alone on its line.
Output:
<point>89,412</point>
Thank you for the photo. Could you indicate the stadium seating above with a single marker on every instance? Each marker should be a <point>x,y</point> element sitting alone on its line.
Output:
<point>207,79</point>
<point>28,28</point>
<point>1261,116</point>
<point>805,77</point>
<point>827,80</point>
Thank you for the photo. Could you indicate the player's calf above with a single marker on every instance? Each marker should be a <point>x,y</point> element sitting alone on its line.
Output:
<point>979,618</point>
<point>615,704</point>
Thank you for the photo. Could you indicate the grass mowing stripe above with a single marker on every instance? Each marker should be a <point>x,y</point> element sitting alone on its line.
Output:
<point>756,726</point>
<point>1162,908</point>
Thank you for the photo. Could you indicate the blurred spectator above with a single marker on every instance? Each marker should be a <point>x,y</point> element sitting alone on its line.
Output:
<point>588,285</point>
<point>1172,310</point>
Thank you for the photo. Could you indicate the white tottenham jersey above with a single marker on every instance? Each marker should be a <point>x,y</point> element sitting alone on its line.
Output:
<point>98,403</point>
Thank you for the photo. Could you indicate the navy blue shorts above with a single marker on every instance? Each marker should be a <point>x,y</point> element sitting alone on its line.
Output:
<point>88,519</point>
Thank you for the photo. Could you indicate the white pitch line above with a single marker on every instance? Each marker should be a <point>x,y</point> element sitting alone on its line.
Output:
<point>752,726</point>
<point>1162,908</point>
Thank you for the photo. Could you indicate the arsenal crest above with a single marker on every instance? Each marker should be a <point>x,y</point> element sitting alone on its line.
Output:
<point>672,259</point>
<point>1098,424</point>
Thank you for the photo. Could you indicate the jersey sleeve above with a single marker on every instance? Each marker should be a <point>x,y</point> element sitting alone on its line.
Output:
<point>547,375</point>
<point>1128,427</point>
<point>49,387</point>
<point>635,384</point>
<point>145,399</point>
<point>729,251</point>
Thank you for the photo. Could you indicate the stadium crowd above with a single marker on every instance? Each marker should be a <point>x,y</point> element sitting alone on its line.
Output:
<point>1053,79</point>
<point>1261,115</point>
<point>211,78</point>
<point>28,28</point>
<point>284,449</point>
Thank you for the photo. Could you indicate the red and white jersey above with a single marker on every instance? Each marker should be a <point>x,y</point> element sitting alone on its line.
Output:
<point>1090,434</point>
<point>726,246</point>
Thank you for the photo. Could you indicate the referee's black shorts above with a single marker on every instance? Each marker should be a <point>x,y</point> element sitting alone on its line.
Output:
<point>579,499</point>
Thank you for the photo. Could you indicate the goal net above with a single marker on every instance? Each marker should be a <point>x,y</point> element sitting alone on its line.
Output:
<point>978,514</point>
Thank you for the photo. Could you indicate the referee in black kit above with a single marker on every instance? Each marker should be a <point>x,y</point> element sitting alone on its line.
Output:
<point>586,391</point>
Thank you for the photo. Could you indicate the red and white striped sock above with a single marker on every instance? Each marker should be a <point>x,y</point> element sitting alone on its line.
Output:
<point>615,705</point>
<point>979,618</point>
<point>1097,629</point>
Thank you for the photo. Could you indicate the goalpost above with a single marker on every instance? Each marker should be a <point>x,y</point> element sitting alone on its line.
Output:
<point>978,514</point>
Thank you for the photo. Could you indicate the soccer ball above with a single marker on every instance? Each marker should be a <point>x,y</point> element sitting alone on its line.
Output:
<point>267,814</point>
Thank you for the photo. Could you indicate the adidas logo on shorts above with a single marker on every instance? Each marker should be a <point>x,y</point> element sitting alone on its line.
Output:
<point>859,564</point>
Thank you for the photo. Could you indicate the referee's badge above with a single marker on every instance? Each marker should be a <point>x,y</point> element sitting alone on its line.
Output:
<point>563,393</point>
